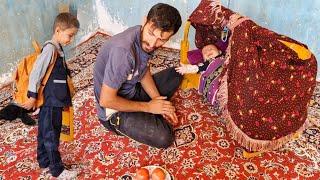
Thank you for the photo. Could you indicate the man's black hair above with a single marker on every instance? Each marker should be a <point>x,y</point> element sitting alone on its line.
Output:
<point>165,17</point>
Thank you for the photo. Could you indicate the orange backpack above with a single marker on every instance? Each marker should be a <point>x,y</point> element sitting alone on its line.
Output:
<point>21,77</point>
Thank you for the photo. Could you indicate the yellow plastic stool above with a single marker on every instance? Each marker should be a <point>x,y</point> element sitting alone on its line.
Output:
<point>189,80</point>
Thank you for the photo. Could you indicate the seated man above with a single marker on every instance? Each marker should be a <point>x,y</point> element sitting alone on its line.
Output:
<point>129,100</point>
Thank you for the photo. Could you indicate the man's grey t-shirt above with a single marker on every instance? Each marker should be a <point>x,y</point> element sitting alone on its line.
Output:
<point>120,64</point>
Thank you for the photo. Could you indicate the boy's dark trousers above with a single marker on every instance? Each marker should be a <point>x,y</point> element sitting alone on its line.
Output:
<point>49,128</point>
<point>147,128</point>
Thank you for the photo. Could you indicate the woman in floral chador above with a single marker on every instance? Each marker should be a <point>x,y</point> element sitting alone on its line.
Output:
<point>267,81</point>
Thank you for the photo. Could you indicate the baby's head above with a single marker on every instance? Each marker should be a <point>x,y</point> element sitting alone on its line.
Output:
<point>65,27</point>
<point>210,51</point>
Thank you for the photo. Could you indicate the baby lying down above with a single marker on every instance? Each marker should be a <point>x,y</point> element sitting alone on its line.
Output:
<point>202,59</point>
<point>208,62</point>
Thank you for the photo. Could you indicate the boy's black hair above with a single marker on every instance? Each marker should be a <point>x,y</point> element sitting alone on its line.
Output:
<point>66,21</point>
<point>165,17</point>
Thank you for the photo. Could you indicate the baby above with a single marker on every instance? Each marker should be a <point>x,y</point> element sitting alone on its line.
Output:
<point>209,53</point>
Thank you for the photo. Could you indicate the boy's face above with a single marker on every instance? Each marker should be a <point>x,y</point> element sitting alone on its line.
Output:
<point>66,36</point>
<point>152,38</point>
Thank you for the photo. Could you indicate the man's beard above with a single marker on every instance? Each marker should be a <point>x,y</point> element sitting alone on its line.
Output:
<point>146,45</point>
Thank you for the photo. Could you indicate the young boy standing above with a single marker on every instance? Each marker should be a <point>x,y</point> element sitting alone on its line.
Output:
<point>56,94</point>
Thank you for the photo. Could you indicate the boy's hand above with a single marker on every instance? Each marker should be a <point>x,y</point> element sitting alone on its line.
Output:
<point>30,103</point>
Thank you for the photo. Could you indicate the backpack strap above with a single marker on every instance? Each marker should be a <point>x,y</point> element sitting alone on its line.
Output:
<point>40,99</point>
<point>46,43</point>
<point>69,79</point>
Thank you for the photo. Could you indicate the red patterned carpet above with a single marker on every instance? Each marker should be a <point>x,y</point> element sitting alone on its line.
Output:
<point>203,148</point>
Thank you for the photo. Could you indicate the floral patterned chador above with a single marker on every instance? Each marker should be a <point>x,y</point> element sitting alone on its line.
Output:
<point>267,81</point>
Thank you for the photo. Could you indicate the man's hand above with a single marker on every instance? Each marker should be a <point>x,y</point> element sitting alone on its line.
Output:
<point>168,110</point>
<point>159,105</point>
<point>29,104</point>
<point>172,118</point>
